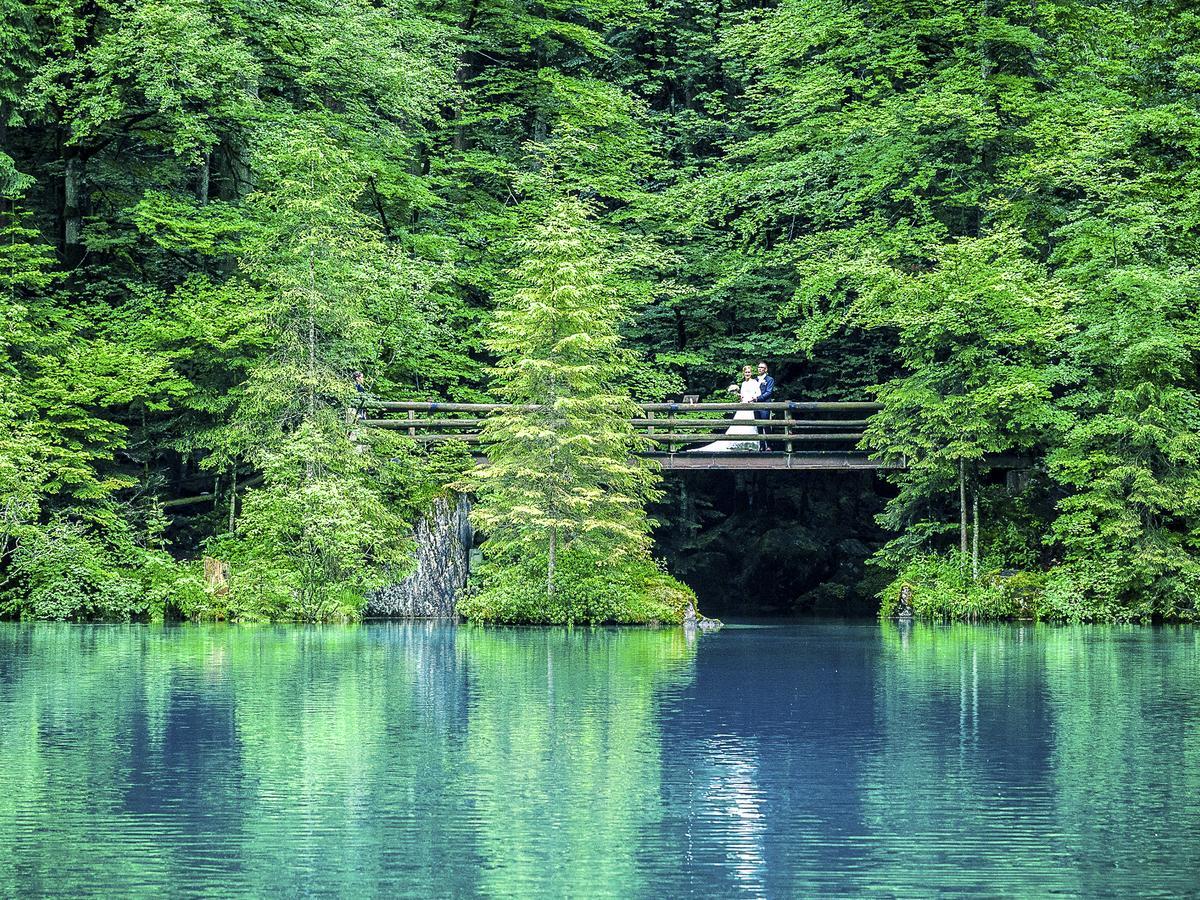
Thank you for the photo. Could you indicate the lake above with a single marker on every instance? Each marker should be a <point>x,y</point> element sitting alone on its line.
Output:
<point>794,759</point>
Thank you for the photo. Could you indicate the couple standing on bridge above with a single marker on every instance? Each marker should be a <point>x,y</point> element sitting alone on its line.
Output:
<point>753,389</point>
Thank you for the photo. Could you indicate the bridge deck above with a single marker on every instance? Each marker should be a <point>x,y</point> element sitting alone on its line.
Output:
<point>803,435</point>
<point>810,435</point>
<point>804,460</point>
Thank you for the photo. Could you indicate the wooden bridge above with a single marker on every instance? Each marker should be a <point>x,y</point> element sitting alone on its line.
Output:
<point>801,435</point>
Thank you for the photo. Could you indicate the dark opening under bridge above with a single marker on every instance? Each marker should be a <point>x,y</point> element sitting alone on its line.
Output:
<point>802,435</point>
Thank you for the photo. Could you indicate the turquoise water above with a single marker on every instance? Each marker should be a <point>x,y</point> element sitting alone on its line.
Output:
<point>423,759</point>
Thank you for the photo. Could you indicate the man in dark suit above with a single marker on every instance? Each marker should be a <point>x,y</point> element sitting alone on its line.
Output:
<point>766,393</point>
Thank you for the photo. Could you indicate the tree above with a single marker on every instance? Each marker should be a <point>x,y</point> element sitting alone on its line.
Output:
<point>977,341</point>
<point>323,527</point>
<point>1127,537</point>
<point>321,531</point>
<point>211,212</point>
<point>562,474</point>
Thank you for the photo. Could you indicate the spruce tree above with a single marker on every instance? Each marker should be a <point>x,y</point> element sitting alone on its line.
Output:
<point>562,470</point>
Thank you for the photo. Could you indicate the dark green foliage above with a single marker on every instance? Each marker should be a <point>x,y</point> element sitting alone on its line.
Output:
<point>982,213</point>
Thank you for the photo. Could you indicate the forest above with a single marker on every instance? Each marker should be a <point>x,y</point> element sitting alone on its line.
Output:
<point>983,214</point>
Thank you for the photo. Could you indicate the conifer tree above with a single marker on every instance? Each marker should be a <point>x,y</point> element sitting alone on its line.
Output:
<point>562,472</point>
<point>322,528</point>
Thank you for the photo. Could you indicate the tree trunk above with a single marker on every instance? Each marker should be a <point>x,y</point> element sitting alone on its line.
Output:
<point>237,175</point>
<point>985,59</point>
<point>975,535</point>
<point>73,209</point>
<point>233,497</point>
<point>463,73</point>
<point>312,338</point>
<point>5,202</point>
<point>312,364</point>
<point>962,507</point>
<point>203,180</point>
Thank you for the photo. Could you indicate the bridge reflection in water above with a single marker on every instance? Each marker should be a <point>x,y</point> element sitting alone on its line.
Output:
<point>812,435</point>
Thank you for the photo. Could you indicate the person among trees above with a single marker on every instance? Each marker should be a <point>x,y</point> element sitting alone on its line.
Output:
<point>766,392</point>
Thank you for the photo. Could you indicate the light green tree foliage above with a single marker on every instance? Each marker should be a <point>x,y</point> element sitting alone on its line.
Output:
<point>860,130</point>
<point>321,531</point>
<point>1129,529</point>
<point>161,134</point>
<point>24,270</point>
<point>866,197</point>
<point>323,528</point>
<point>808,181</point>
<point>1025,161</point>
<point>323,273</point>
<point>531,77</point>
<point>562,481</point>
<point>68,546</point>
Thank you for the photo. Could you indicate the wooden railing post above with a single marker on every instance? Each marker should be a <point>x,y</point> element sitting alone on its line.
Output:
<point>670,428</point>
<point>649,415</point>
<point>787,427</point>
<point>412,431</point>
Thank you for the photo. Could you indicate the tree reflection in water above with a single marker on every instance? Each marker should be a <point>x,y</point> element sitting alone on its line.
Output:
<point>422,758</point>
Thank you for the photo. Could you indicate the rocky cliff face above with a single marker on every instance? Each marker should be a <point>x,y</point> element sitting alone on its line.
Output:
<point>443,539</point>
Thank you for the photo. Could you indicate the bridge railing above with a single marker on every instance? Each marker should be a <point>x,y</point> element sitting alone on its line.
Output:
<point>794,425</point>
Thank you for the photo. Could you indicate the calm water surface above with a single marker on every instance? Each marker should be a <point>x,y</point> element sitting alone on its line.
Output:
<point>425,759</point>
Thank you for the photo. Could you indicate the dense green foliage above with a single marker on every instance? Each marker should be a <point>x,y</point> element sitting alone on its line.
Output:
<point>564,481</point>
<point>983,213</point>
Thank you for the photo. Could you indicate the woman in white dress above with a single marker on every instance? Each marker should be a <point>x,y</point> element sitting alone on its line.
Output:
<point>747,392</point>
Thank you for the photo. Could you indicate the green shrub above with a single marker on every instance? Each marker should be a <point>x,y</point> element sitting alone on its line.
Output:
<point>89,570</point>
<point>941,586</point>
<point>323,529</point>
<point>589,589</point>
<point>1106,589</point>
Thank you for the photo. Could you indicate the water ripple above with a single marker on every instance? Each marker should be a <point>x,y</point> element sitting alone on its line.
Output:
<point>420,759</point>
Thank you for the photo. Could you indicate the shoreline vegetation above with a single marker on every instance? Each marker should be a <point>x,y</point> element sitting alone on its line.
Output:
<point>981,216</point>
